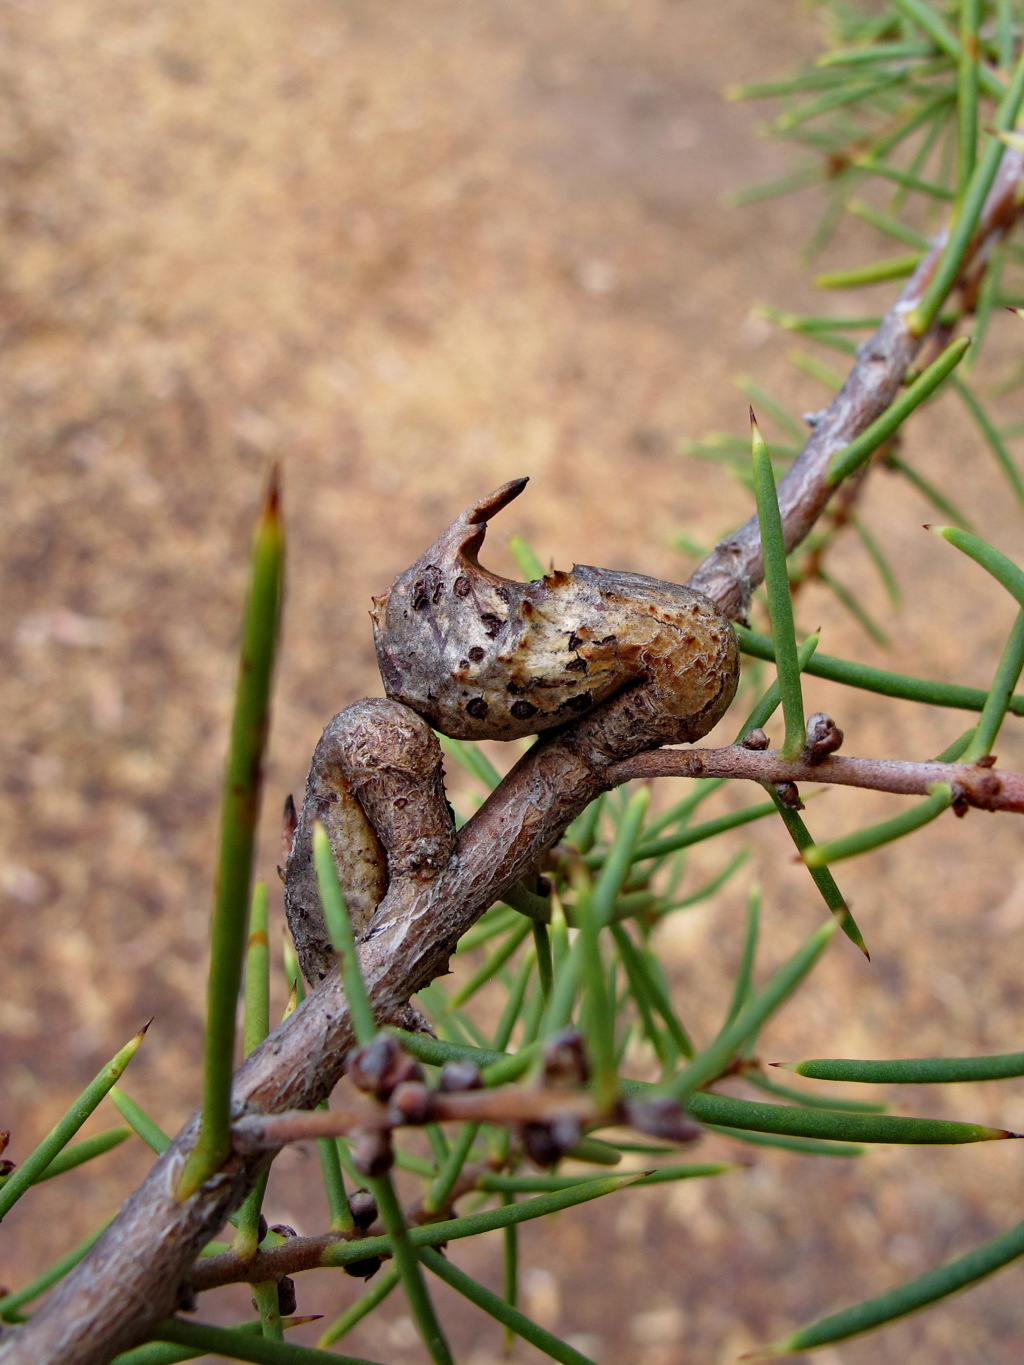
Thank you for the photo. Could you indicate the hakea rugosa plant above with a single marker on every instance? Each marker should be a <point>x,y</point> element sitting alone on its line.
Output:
<point>608,668</point>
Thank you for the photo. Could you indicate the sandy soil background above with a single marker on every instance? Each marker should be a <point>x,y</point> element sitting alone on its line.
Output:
<point>413,250</point>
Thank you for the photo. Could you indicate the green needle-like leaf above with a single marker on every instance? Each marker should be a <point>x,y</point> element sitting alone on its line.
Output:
<point>994,711</point>
<point>473,1224</point>
<point>529,565</point>
<point>334,1183</point>
<point>906,179</point>
<point>472,758</point>
<point>992,437</point>
<point>410,1271</point>
<point>339,926</point>
<point>11,1303</point>
<point>650,994</point>
<point>671,843</point>
<point>906,1298</point>
<point>1002,569</point>
<point>240,807</point>
<point>769,703</point>
<point>805,1146</point>
<point>78,1153</point>
<point>256,1016</point>
<point>877,679</point>
<point>438,1197</point>
<point>745,974</point>
<point>746,1024</point>
<point>852,456</point>
<point>240,1345</point>
<point>163,1353</point>
<point>809,1098</point>
<point>928,490</point>
<point>852,604</point>
<point>969,210</point>
<point>775,410</point>
<point>61,1134</point>
<point>780,603</point>
<point>535,1184</point>
<point>619,858</point>
<point>148,1130</point>
<point>940,798</point>
<point>821,876</point>
<point>897,268</point>
<point>832,1125</point>
<point>875,52</point>
<point>878,558</point>
<point>892,227</point>
<point>384,1282</point>
<point>912,1070</point>
<point>968,72</point>
<point>502,1311</point>
<point>493,964</point>
<point>926,18</point>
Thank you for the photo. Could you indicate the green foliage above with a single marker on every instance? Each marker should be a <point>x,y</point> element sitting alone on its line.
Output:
<point>898,121</point>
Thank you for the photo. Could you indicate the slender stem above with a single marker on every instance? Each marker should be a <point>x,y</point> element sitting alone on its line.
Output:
<point>780,602</point>
<point>968,68</point>
<point>502,1310</point>
<point>986,788</point>
<point>410,1272</point>
<point>851,457</point>
<point>1001,691</point>
<point>965,224</point>
<point>35,1164</point>
<point>240,806</point>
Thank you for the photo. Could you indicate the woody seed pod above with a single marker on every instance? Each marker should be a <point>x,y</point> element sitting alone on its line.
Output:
<point>485,657</point>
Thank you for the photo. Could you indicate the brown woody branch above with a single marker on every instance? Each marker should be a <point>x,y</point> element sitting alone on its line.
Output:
<point>415,1103</point>
<point>734,569</point>
<point>973,783</point>
<point>133,1277</point>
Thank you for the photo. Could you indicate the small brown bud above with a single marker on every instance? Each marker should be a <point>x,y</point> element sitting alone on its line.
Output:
<point>756,739</point>
<point>546,1143</point>
<point>363,1270</point>
<point>460,1075</point>
<point>286,1300</point>
<point>565,1060</point>
<point>663,1118</point>
<point>380,1065</point>
<point>289,824</point>
<point>789,795</point>
<point>283,1230</point>
<point>961,805</point>
<point>824,737</point>
<point>412,1102</point>
<point>363,1207</point>
<point>372,1153</point>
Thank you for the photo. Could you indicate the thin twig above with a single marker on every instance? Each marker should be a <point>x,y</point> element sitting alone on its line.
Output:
<point>509,1104</point>
<point>974,784</point>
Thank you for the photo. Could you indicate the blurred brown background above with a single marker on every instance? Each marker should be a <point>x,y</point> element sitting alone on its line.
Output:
<point>413,250</point>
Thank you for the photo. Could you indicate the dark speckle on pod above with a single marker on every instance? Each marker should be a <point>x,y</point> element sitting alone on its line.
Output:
<point>568,641</point>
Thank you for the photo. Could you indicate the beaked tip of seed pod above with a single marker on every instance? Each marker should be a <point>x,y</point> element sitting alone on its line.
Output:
<point>501,497</point>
